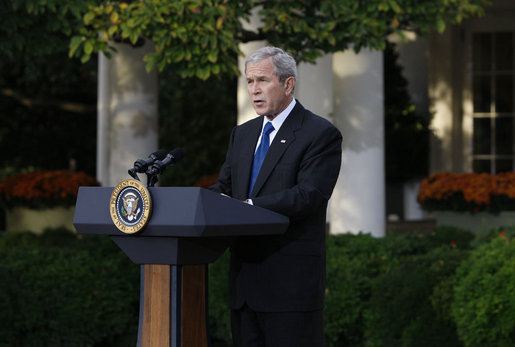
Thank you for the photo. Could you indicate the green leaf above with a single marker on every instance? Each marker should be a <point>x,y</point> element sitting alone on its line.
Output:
<point>88,17</point>
<point>85,58</point>
<point>161,64</point>
<point>213,56</point>
<point>331,39</point>
<point>395,6</point>
<point>150,66</point>
<point>203,73</point>
<point>74,45</point>
<point>112,30</point>
<point>179,54</point>
<point>440,24</point>
<point>125,30</point>
<point>88,47</point>
<point>134,37</point>
<point>114,17</point>
<point>131,23</point>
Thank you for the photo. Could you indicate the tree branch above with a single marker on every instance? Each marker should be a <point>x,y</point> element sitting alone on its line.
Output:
<point>247,36</point>
<point>63,105</point>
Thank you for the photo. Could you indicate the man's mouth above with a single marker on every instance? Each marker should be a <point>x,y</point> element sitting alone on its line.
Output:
<point>259,102</point>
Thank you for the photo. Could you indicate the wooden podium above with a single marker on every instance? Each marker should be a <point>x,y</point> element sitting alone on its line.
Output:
<point>189,228</point>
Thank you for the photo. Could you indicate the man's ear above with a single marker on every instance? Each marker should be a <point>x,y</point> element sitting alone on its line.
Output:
<point>289,85</point>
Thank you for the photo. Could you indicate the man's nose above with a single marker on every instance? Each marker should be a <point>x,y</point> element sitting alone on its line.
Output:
<point>255,89</point>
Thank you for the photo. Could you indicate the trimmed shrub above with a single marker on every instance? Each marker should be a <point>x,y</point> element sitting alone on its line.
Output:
<point>487,236</point>
<point>352,262</point>
<point>410,299</point>
<point>484,305</point>
<point>74,292</point>
<point>219,313</point>
<point>409,305</point>
<point>62,290</point>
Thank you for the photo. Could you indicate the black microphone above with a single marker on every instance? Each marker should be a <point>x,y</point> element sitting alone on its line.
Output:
<point>141,165</point>
<point>160,165</point>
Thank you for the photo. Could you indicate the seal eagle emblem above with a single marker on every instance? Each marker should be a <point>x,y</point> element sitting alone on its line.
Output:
<point>130,206</point>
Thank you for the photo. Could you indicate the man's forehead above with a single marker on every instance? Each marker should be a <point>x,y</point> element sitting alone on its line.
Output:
<point>261,68</point>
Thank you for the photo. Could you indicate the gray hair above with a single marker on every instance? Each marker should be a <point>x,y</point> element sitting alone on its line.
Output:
<point>284,64</point>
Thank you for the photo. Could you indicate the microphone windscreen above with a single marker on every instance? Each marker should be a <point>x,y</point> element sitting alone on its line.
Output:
<point>160,154</point>
<point>176,154</point>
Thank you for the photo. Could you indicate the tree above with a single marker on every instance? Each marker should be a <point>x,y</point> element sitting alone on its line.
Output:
<point>46,99</point>
<point>201,37</point>
<point>406,129</point>
<point>32,28</point>
<point>195,37</point>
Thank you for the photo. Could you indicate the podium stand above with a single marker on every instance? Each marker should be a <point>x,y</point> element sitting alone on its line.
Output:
<point>189,228</point>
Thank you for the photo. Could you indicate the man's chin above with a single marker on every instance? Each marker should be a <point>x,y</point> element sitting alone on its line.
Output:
<point>260,111</point>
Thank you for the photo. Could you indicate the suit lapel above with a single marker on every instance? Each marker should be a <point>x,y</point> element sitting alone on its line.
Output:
<point>284,138</point>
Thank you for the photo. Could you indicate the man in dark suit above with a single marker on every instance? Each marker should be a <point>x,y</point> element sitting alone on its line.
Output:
<point>277,283</point>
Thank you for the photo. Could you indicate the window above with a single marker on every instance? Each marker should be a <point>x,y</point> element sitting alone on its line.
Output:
<point>493,75</point>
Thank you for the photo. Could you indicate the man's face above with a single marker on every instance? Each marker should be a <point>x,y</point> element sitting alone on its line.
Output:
<point>268,96</point>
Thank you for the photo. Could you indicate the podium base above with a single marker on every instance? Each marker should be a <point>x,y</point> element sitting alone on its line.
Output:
<point>173,306</point>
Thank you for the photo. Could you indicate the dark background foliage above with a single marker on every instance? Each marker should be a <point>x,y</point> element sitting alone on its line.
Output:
<point>406,129</point>
<point>47,113</point>
<point>198,117</point>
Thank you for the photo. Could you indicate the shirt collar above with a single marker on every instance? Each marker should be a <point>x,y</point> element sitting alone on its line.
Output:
<point>281,117</point>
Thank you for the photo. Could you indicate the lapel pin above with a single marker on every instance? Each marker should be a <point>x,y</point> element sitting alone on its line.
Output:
<point>283,141</point>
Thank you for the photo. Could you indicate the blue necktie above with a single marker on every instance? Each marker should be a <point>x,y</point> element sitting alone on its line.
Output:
<point>260,154</point>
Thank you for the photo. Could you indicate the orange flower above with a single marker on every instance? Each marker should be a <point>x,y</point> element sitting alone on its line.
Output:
<point>466,191</point>
<point>206,181</point>
<point>43,188</point>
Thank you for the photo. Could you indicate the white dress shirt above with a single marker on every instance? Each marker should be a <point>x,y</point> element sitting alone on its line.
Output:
<point>277,122</point>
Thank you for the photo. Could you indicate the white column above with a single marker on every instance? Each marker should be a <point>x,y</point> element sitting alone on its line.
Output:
<point>103,117</point>
<point>358,202</point>
<point>127,113</point>
<point>442,102</point>
<point>314,88</point>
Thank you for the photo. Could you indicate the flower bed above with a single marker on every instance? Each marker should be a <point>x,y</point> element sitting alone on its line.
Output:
<point>468,192</point>
<point>39,200</point>
<point>43,189</point>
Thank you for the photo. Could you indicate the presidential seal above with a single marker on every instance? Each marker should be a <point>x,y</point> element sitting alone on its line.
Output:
<point>130,206</point>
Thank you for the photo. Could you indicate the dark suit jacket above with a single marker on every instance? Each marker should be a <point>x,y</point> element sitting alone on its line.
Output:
<point>286,272</point>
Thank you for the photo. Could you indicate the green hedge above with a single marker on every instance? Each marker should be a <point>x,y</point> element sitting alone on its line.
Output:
<point>443,288</point>
<point>484,305</point>
<point>352,262</point>
<point>409,303</point>
<point>380,292</point>
<point>219,315</point>
<point>58,290</point>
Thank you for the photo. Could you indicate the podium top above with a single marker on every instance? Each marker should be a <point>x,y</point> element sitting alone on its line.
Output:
<point>180,212</point>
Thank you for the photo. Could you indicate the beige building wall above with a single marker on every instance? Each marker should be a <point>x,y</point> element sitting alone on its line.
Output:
<point>450,86</point>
